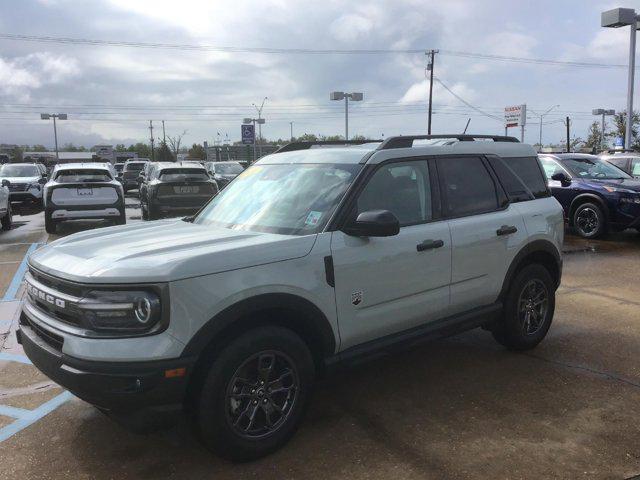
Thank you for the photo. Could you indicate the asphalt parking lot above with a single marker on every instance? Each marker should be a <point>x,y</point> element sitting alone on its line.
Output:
<point>457,408</point>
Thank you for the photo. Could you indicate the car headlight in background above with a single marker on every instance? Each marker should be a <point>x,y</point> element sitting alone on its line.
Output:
<point>121,311</point>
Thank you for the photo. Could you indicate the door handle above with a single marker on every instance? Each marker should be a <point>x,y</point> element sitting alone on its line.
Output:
<point>506,230</point>
<point>429,245</point>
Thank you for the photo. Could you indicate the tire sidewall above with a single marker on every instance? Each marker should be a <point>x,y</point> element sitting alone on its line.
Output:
<point>601,220</point>
<point>513,336</point>
<point>216,432</point>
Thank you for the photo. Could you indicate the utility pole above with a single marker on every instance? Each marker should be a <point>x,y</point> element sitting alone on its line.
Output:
<point>164,137</point>
<point>291,125</point>
<point>153,156</point>
<point>568,125</point>
<point>430,66</point>
<point>260,123</point>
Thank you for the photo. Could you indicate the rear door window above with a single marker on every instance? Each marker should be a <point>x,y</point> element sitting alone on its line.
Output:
<point>635,167</point>
<point>529,171</point>
<point>467,186</point>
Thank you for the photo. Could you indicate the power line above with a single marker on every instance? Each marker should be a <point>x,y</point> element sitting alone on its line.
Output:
<point>298,51</point>
<point>467,103</point>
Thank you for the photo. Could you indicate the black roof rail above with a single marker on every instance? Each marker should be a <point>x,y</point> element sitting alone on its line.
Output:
<point>406,141</point>
<point>290,147</point>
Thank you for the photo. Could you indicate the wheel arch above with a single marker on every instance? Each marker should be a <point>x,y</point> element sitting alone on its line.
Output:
<point>584,198</point>
<point>282,309</point>
<point>541,252</point>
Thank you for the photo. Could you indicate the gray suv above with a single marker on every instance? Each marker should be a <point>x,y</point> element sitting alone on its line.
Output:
<point>310,258</point>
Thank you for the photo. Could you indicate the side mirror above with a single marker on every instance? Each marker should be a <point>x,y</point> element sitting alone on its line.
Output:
<point>561,177</point>
<point>42,180</point>
<point>6,183</point>
<point>374,223</point>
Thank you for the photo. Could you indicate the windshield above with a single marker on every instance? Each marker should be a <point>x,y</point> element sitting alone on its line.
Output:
<point>19,171</point>
<point>228,168</point>
<point>82,175</point>
<point>593,169</point>
<point>292,199</point>
<point>183,175</point>
<point>135,167</point>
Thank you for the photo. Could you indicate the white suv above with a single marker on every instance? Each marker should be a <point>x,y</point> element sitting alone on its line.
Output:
<point>310,258</point>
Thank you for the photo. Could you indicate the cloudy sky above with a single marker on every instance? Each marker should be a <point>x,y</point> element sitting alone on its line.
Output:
<point>111,92</point>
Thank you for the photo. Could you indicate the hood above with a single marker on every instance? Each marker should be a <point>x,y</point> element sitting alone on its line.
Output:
<point>162,251</point>
<point>628,183</point>
<point>21,179</point>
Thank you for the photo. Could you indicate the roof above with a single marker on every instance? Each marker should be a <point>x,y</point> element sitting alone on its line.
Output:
<point>370,153</point>
<point>570,155</point>
<point>87,165</point>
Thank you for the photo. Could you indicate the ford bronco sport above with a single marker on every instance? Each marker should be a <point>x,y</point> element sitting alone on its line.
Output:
<point>310,258</point>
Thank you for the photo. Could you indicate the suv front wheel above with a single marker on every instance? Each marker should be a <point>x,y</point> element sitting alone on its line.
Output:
<point>255,393</point>
<point>528,309</point>
<point>589,220</point>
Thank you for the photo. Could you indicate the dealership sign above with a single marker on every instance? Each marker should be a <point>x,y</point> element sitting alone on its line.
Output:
<point>515,116</point>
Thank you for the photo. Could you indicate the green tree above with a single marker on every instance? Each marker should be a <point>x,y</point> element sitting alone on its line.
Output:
<point>197,151</point>
<point>594,137</point>
<point>163,153</point>
<point>142,149</point>
<point>38,148</point>
<point>120,147</point>
<point>620,126</point>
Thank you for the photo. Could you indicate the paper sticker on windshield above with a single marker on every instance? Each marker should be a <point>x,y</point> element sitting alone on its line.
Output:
<point>313,218</point>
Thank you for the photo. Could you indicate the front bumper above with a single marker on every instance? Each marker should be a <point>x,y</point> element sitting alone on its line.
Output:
<point>118,387</point>
<point>75,212</point>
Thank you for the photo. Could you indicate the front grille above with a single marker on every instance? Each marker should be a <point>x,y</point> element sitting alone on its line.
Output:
<point>57,298</point>
<point>18,187</point>
<point>48,337</point>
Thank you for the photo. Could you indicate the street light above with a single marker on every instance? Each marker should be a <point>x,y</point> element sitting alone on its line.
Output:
<point>354,96</point>
<point>616,18</point>
<point>259,121</point>
<point>59,116</point>
<point>541,117</point>
<point>603,112</point>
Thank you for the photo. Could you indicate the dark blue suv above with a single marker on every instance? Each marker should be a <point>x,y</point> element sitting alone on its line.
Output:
<point>596,196</point>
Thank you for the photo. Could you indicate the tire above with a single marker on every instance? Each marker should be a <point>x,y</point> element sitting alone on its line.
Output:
<point>121,220</point>
<point>7,220</point>
<point>145,212</point>
<point>513,330</point>
<point>49,224</point>
<point>217,413</point>
<point>151,213</point>
<point>589,220</point>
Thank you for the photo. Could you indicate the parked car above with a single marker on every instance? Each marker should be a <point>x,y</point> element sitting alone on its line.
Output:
<point>83,191</point>
<point>224,172</point>
<point>25,181</point>
<point>596,196</point>
<point>131,172</point>
<point>173,189</point>
<point>310,258</point>
<point>629,162</point>
<point>6,218</point>
<point>118,166</point>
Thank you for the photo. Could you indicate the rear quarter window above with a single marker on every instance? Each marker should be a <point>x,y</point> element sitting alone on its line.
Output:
<point>528,169</point>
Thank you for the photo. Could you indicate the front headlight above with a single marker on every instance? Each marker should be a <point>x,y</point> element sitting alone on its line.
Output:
<point>635,199</point>
<point>121,311</point>
<point>611,189</point>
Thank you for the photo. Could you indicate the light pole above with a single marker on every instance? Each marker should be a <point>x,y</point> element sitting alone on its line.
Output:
<point>260,123</point>
<point>541,117</point>
<point>603,112</point>
<point>291,125</point>
<point>59,116</point>
<point>354,96</point>
<point>616,18</point>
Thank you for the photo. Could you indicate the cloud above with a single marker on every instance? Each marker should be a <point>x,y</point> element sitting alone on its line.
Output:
<point>350,27</point>
<point>19,76</point>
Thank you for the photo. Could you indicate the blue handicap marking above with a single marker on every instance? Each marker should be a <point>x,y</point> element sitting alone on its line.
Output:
<point>16,281</point>
<point>24,417</point>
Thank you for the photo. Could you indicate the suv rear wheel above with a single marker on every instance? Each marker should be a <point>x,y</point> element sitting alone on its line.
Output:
<point>49,223</point>
<point>7,220</point>
<point>589,220</point>
<point>255,393</point>
<point>528,309</point>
